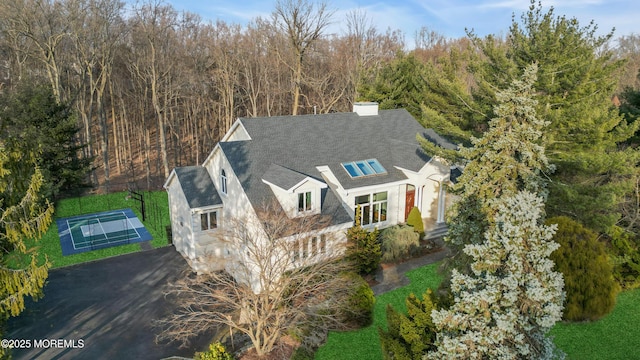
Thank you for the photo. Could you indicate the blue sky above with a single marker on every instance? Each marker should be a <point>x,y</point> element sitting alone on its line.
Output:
<point>447,17</point>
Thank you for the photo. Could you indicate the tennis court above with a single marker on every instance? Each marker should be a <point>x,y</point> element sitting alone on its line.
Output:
<point>100,230</point>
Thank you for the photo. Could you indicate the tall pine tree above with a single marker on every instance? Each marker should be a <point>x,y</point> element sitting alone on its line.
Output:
<point>508,158</point>
<point>577,77</point>
<point>32,122</point>
<point>506,294</point>
<point>512,298</point>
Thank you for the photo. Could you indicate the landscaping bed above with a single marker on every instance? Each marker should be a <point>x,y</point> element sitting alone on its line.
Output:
<point>614,337</point>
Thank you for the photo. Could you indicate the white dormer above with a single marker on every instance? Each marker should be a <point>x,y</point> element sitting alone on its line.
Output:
<point>298,194</point>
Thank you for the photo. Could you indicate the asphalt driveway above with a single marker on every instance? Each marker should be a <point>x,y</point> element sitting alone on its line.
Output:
<point>109,304</point>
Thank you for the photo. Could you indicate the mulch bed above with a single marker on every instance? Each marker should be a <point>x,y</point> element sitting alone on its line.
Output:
<point>283,350</point>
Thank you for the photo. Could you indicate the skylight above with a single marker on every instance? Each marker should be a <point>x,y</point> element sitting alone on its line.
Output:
<point>361,168</point>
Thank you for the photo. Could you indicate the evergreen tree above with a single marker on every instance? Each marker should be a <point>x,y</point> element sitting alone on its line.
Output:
<point>508,158</point>
<point>363,247</point>
<point>21,274</point>
<point>512,298</point>
<point>625,256</point>
<point>409,336</point>
<point>415,220</point>
<point>398,85</point>
<point>506,294</point>
<point>588,274</point>
<point>577,77</point>
<point>31,121</point>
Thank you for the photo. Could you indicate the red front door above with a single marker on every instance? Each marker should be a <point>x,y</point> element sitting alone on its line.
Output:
<point>410,200</point>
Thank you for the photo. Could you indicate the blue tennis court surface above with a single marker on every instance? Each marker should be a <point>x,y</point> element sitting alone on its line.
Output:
<point>100,230</point>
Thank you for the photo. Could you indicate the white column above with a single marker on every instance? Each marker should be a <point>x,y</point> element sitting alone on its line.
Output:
<point>441,203</point>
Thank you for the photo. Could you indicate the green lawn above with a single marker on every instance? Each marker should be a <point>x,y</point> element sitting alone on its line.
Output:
<point>157,214</point>
<point>364,344</point>
<point>617,336</point>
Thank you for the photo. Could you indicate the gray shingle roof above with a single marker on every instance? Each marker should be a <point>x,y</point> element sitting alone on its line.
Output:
<point>283,177</point>
<point>297,144</point>
<point>197,186</point>
<point>435,138</point>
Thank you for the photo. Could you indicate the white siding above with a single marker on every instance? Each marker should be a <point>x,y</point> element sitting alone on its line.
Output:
<point>314,188</point>
<point>427,182</point>
<point>236,205</point>
<point>237,133</point>
<point>395,199</point>
<point>286,200</point>
<point>181,224</point>
<point>235,202</point>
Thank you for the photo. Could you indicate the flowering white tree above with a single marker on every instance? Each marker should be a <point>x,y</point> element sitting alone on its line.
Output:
<point>504,308</point>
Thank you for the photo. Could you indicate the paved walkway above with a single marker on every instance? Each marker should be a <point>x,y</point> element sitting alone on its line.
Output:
<point>109,304</point>
<point>394,277</point>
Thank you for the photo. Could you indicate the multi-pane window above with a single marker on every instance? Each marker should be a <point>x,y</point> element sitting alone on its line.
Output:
<point>373,207</point>
<point>209,220</point>
<point>379,213</point>
<point>304,201</point>
<point>223,182</point>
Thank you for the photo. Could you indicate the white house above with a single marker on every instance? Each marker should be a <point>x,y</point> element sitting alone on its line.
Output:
<point>311,164</point>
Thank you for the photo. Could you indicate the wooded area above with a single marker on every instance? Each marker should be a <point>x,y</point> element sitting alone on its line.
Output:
<point>154,88</point>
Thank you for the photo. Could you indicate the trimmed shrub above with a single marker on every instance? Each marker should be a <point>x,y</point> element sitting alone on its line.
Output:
<point>302,353</point>
<point>415,220</point>
<point>409,336</point>
<point>363,247</point>
<point>588,275</point>
<point>398,242</point>
<point>625,253</point>
<point>359,306</point>
<point>216,352</point>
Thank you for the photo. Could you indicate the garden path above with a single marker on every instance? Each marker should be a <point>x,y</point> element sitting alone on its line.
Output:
<point>391,277</point>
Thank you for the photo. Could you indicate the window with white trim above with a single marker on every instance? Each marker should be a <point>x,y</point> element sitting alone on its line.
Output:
<point>304,201</point>
<point>373,207</point>
<point>209,220</point>
<point>223,182</point>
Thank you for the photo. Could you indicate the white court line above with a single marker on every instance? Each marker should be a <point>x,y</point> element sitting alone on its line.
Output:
<point>104,232</point>
<point>70,234</point>
<point>87,222</point>
<point>134,228</point>
<point>126,229</point>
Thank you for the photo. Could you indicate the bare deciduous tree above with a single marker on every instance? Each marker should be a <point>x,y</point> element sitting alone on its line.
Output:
<point>154,88</point>
<point>291,272</point>
<point>303,23</point>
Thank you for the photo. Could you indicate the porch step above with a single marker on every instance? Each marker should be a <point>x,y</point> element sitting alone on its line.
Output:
<point>437,232</point>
